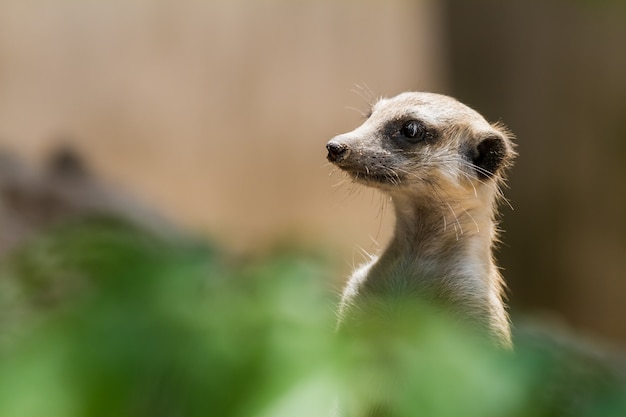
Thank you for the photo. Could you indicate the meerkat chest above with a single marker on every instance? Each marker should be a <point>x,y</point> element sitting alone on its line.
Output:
<point>421,279</point>
<point>393,276</point>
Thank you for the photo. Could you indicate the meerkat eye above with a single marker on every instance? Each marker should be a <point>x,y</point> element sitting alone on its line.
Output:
<point>413,130</point>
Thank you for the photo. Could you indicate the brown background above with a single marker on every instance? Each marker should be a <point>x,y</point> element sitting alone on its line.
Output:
<point>217,113</point>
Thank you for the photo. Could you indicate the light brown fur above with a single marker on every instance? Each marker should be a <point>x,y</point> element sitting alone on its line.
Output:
<point>445,185</point>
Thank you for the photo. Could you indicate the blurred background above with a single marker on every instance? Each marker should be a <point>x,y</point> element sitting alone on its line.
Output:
<point>214,114</point>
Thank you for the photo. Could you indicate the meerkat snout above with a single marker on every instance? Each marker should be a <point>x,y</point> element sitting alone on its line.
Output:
<point>337,151</point>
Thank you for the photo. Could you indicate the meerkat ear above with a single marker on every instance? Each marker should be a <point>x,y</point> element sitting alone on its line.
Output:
<point>490,155</point>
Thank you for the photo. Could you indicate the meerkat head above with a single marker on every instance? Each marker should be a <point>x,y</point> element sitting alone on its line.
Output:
<point>415,140</point>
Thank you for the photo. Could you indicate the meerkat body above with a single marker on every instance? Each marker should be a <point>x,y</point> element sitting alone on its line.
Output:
<point>442,164</point>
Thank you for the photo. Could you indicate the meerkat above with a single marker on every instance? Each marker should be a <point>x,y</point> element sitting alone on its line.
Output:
<point>442,165</point>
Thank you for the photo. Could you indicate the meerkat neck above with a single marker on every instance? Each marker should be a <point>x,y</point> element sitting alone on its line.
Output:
<point>445,250</point>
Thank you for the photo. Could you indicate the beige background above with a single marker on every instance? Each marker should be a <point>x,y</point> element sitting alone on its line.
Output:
<point>216,111</point>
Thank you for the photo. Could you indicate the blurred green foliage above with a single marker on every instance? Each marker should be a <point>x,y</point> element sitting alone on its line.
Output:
<point>100,319</point>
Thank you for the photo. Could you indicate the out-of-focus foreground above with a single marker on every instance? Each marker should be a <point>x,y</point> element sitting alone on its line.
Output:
<point>100,318</point>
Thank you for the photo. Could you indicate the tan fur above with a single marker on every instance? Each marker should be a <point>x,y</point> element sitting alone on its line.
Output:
<point>445,205</point>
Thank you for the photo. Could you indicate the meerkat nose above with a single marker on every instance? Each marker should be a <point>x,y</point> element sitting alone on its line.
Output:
<point>336,151</point>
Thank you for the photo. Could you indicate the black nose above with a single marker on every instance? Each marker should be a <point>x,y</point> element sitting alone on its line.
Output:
<point>336,151</point>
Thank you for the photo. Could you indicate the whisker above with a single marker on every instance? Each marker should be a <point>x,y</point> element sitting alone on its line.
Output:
<point>458,228</point>
<point>365,92</point>
<point>363,114</point>
<point>472,219</point>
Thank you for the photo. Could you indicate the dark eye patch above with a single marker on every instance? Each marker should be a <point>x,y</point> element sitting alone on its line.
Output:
<point>414,130</point>
<point>406,131</point>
